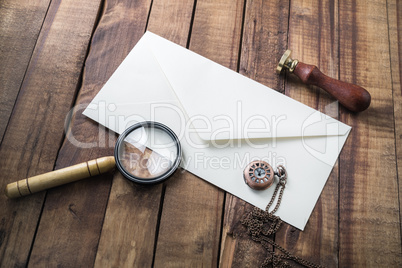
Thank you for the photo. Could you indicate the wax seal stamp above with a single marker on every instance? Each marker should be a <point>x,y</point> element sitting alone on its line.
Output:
<point>259,175</point>
<point>351,96</point>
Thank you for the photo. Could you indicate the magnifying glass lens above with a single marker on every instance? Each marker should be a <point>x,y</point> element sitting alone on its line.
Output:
<point>147,152</point>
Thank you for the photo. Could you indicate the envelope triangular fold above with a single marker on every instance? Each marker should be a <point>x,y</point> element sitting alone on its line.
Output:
<point>198,80</point>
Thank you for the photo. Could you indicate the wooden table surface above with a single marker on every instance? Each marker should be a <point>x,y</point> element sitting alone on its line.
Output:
<point>56,55</point>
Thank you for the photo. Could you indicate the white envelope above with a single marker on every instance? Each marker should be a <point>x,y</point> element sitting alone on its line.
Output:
<point>224,121</point>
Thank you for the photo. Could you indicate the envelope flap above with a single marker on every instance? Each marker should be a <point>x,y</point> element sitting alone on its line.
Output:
<point>222,104</point>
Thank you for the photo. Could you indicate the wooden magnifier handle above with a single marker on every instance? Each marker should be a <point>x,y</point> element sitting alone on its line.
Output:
<point>59,177</point>
<point>351,96</point>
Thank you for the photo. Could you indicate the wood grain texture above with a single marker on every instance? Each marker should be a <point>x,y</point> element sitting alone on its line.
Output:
<point>190,226</point>
<point>73,215</point>
<point>313,38</point>
<point>395,35</point>
<point>108,221</point>
<point>29,146</point>
<point>369,231</point>
<point>20,24</point>
<point>237,248</point>
<point>130,228</point>
<point>264,41</point>
<point>172,19</point>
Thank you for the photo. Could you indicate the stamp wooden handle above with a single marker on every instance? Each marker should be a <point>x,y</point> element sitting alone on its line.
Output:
<point>353,97</point>
<point>59,177</point>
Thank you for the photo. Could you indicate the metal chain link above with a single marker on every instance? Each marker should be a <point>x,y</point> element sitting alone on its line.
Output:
<point>262,225</point>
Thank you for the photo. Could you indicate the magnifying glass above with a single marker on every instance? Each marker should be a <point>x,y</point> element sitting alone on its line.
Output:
<point>145,153</point>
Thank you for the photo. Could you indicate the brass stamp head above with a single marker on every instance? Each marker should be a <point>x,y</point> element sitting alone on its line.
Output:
<point>286,62</point>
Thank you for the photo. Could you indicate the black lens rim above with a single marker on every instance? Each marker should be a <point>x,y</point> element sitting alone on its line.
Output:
<point>159,178</point>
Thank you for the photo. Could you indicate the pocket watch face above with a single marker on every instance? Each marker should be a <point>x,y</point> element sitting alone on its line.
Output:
<point>259,175</point>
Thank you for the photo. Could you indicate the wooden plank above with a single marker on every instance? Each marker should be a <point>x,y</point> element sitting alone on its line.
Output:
<point>237,248</point>
<point>35,131</point>
<point>264,41</point>
<point>313,39</point>
<point>20,24</point>
<point>395,35</point>
<point>189,231</point>
<point>172,19</point>
<point>369,231</point>
<point>73,215</point>
<point>130,227</point>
